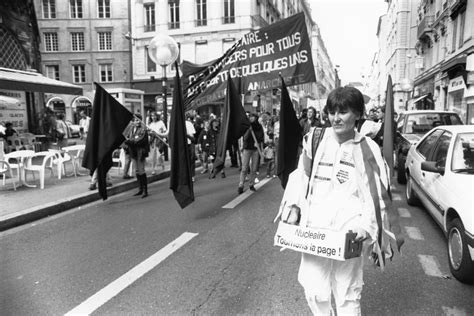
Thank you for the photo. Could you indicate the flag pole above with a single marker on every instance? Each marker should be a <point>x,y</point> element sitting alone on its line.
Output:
<point>149,129</point>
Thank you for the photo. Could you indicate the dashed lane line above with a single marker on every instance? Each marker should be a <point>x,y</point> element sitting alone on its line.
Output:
<point>453,311</point>
<point>114,288</point>
<point>396,197</point>
<point>414,233</point>
<point>245,195</point>
<point>403,212</point>
<point>430,265</point>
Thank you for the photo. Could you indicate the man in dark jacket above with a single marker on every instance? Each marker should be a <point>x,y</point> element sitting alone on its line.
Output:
<point>252,144</point>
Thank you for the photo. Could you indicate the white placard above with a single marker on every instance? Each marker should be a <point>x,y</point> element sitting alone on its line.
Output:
<point>319,242</point>
<point>13,109</point>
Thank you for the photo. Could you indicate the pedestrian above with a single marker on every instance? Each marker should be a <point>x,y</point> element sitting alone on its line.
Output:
<point>210,145</point>
<point>158,132</point>
<point>202,147</point>
<point>139,148</point>
<point>93,184</point>
<point>62,131</point>
<point>84,124</point>
<point>251,143</point>
<point>190,135</point>
<point>310,121</point>
<point>348,176</point>
<point>269,158</point>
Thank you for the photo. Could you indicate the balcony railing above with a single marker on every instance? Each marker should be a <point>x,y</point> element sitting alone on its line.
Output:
<point>258,21</point>
<point>150,28</point>
<point>228,19</point>
<point>173,25</point>
<point>202,22</point>
<point>425,26</point>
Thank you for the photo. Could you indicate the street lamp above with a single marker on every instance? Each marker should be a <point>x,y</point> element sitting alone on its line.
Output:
<point>164,50</point>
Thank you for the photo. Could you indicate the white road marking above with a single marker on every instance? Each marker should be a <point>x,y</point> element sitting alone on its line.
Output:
<point>414,233</point>
<point>396,197</point>
<point>245,195</point>
<point>430,265</point>
<point>114,288</point>
<point>453,311</point>
<point>403,212</point>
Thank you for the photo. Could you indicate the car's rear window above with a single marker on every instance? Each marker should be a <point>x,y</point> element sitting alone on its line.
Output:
<point>423,122</point>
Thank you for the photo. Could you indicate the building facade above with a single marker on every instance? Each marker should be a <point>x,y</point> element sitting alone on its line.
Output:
<point>82,42</point>
<point>445,46</point>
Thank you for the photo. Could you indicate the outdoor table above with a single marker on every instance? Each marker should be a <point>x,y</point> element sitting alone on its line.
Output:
<point>75,152</point>
<point>20,156</point>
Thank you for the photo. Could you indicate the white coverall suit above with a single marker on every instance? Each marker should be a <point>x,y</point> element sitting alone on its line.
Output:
<point>338,199</point>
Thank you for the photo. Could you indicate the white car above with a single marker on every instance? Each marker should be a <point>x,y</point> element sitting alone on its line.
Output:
<point>440,175</point>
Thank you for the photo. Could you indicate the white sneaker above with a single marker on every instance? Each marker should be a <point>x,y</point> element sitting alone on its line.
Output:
<point>256,180</point>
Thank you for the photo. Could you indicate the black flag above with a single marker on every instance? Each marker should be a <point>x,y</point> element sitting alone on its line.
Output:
<point>109,120</point>
<point>234,124</point>
<point>290,137</point>
<point>180,177</point>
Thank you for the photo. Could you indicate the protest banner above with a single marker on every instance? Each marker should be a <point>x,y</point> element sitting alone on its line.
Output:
<point>254,63</point>
<point>326,243</point>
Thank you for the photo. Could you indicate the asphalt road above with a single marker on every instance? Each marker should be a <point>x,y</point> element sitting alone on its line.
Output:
<point>230,267</point>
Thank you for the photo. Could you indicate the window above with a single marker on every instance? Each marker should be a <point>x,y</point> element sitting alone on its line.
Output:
<point>75,7</point>
<point>105,72</point>
<point>229,12</point>
<point>455,26</point>
<point>103,11</point>
<point>427,144</point>
<point>105,40</point>
<point>79,73</point>
<point>174,15</point>
<point>51,42</point>
<point>77,41</point>
<point>49,9</point>
<point>150,17</point>
<point>52,71</point>
<point>462,21</point>
<point>150,64</point>
<point>441,151</point>
<point>201,16</point>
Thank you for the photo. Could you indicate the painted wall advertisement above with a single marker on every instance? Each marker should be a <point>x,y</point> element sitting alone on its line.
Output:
<point>13,109</point>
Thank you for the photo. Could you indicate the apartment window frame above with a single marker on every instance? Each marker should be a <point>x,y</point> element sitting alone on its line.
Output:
<point>150,17</point>
<point>49,9</point>
<point>75,9</point>
<point>103,9</point>
<point>104,41</point>
<point>229,12</point>
<point>455,29</point>
<point>52,71</point>
<point>77,42</point>
<point>462,23</point>
<point>106,72</point>
<point>79,73</point>
<point>151,66</point>
<point>174,16</point>
<point>201,12</point>
<point>51,42</point>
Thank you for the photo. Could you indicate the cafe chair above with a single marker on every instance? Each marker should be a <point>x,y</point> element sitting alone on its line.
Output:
<point>75,152</point>
<point>5,169</point>
<point>117,160</point>
<point>60,158</point>
<point>14,143</point>
<point>38,163</point>
<point>28,141</point>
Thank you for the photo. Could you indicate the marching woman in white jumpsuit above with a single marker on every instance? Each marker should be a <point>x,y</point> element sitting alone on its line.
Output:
<point>339,186</point>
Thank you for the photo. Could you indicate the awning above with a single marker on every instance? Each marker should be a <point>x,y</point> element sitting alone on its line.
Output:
<point>453,62</point>
<point>13,79</point>
<point>420,98</point>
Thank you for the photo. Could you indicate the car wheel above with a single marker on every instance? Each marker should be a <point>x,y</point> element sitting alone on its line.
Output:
<point>460,263</point>
<point>412,199</point>
<point>401,177</point>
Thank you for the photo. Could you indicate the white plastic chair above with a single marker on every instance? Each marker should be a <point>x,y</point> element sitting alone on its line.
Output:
<point>60,158</point>
<point>39,162</point>
<point>75,152</point>
<point>5,167</point>
<point>117,160</point>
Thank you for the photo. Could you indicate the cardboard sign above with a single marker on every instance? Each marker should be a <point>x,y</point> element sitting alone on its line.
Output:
<point>319,242</point>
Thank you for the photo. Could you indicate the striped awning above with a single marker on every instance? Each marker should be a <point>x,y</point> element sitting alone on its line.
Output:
<point>13,79</point>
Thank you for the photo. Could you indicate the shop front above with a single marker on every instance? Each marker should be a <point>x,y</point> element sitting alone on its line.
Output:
<point>456,97</point>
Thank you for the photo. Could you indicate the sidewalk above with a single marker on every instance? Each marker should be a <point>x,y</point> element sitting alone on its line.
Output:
<point>29,204</point>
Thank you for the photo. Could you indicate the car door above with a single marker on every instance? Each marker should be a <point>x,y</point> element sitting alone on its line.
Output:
<point>435,183</point>
<point>419,154</point>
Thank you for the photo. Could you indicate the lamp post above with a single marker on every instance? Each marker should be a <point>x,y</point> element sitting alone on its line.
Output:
<point>164,50</point>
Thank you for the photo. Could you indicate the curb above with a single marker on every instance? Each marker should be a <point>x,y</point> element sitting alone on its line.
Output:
<point>52,208</point>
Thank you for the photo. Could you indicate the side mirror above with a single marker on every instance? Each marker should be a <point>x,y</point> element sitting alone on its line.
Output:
<point>431,166</point>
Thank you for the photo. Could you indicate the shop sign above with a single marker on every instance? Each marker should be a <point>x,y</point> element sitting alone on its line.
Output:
<point>470,77</point>
<point>456,84</point>
<point>13,109</point>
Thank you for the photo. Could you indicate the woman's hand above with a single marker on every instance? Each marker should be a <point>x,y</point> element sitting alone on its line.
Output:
<point>293,215</point>
<point>361,234</point>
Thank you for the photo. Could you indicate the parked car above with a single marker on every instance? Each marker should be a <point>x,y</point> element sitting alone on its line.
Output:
<point>411,126</point>
<point>440,175</point>
<point>74,129</point>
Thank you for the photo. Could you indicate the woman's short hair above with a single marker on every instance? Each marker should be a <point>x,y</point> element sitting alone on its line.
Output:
<point>344,98</point>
